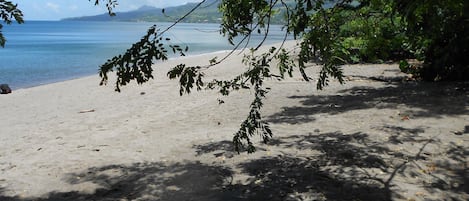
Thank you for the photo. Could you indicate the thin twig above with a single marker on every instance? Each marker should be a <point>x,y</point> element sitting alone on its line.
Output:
<point>180,19</point>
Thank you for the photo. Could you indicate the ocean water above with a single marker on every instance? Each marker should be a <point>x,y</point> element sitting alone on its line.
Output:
<point>42,52</point>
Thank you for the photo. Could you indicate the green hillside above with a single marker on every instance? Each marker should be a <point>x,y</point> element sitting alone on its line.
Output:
<point>207,13</point>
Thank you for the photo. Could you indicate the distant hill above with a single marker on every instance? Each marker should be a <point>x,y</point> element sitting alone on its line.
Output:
<point>207,13</point>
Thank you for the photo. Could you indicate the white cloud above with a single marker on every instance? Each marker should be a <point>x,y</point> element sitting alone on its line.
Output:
<point>53,6</point>
<point>73,7</point>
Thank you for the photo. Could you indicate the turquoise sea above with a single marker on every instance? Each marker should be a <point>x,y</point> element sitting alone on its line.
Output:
<point>42,52</point>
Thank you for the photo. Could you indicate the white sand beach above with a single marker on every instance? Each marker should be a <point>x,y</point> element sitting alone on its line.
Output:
<point>377,137</point>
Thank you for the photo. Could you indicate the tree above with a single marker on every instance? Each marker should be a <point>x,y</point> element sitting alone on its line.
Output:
<point>438,33</point>
<point>332,33</point>
<point>8,13</point>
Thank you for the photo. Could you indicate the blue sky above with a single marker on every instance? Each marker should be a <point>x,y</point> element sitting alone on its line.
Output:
<point>58,9</point>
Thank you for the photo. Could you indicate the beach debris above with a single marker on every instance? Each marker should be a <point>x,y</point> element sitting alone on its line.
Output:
<point>5,89</point>
<point>173,188</point>
<point>223,155</point>
<point>9,167</point>
<point>142,93</point>
<point>404,116</point>
<point>218,154</point>
<point>457,132</point>
<point>333,105</point>
<point>86,111</point>
<point>258,182</point>
<point>420,194</point>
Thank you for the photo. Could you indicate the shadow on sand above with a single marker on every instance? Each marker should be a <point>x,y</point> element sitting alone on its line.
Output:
<point>146,181</point>
<point>426,99</point>
<point>346,167</point>
<point>354,167</point>
<point>341,166</point>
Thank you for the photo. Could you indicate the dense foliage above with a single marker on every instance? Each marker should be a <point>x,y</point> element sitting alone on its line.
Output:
<point>331,33</point>
<point>438,32</point>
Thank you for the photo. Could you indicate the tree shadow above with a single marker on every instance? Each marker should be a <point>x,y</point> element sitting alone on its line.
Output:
<point>425,99</point>
<point>336,173</point>
<point>354,166</point>
<point>453,174</point>
<point>338,166</point>
<point>224,147</point>
<point>450,177</point>
<point>289,177</point>
<point>440,173</point>
<point>147,181</point>
<point>5,198</point>
<point>293,178</point>
<point>338,149</point>
<point>400,135</point>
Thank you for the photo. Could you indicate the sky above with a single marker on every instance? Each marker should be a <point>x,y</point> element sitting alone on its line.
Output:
<point>58,9</point>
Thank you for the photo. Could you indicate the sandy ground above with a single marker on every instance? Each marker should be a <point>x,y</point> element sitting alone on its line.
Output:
<point>375,138</point>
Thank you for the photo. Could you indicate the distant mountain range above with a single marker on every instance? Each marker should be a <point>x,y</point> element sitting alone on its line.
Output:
<point>206,13</point>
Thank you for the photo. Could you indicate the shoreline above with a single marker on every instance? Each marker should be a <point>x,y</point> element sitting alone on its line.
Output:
<point>58,80</point>
<point>171,59</point>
